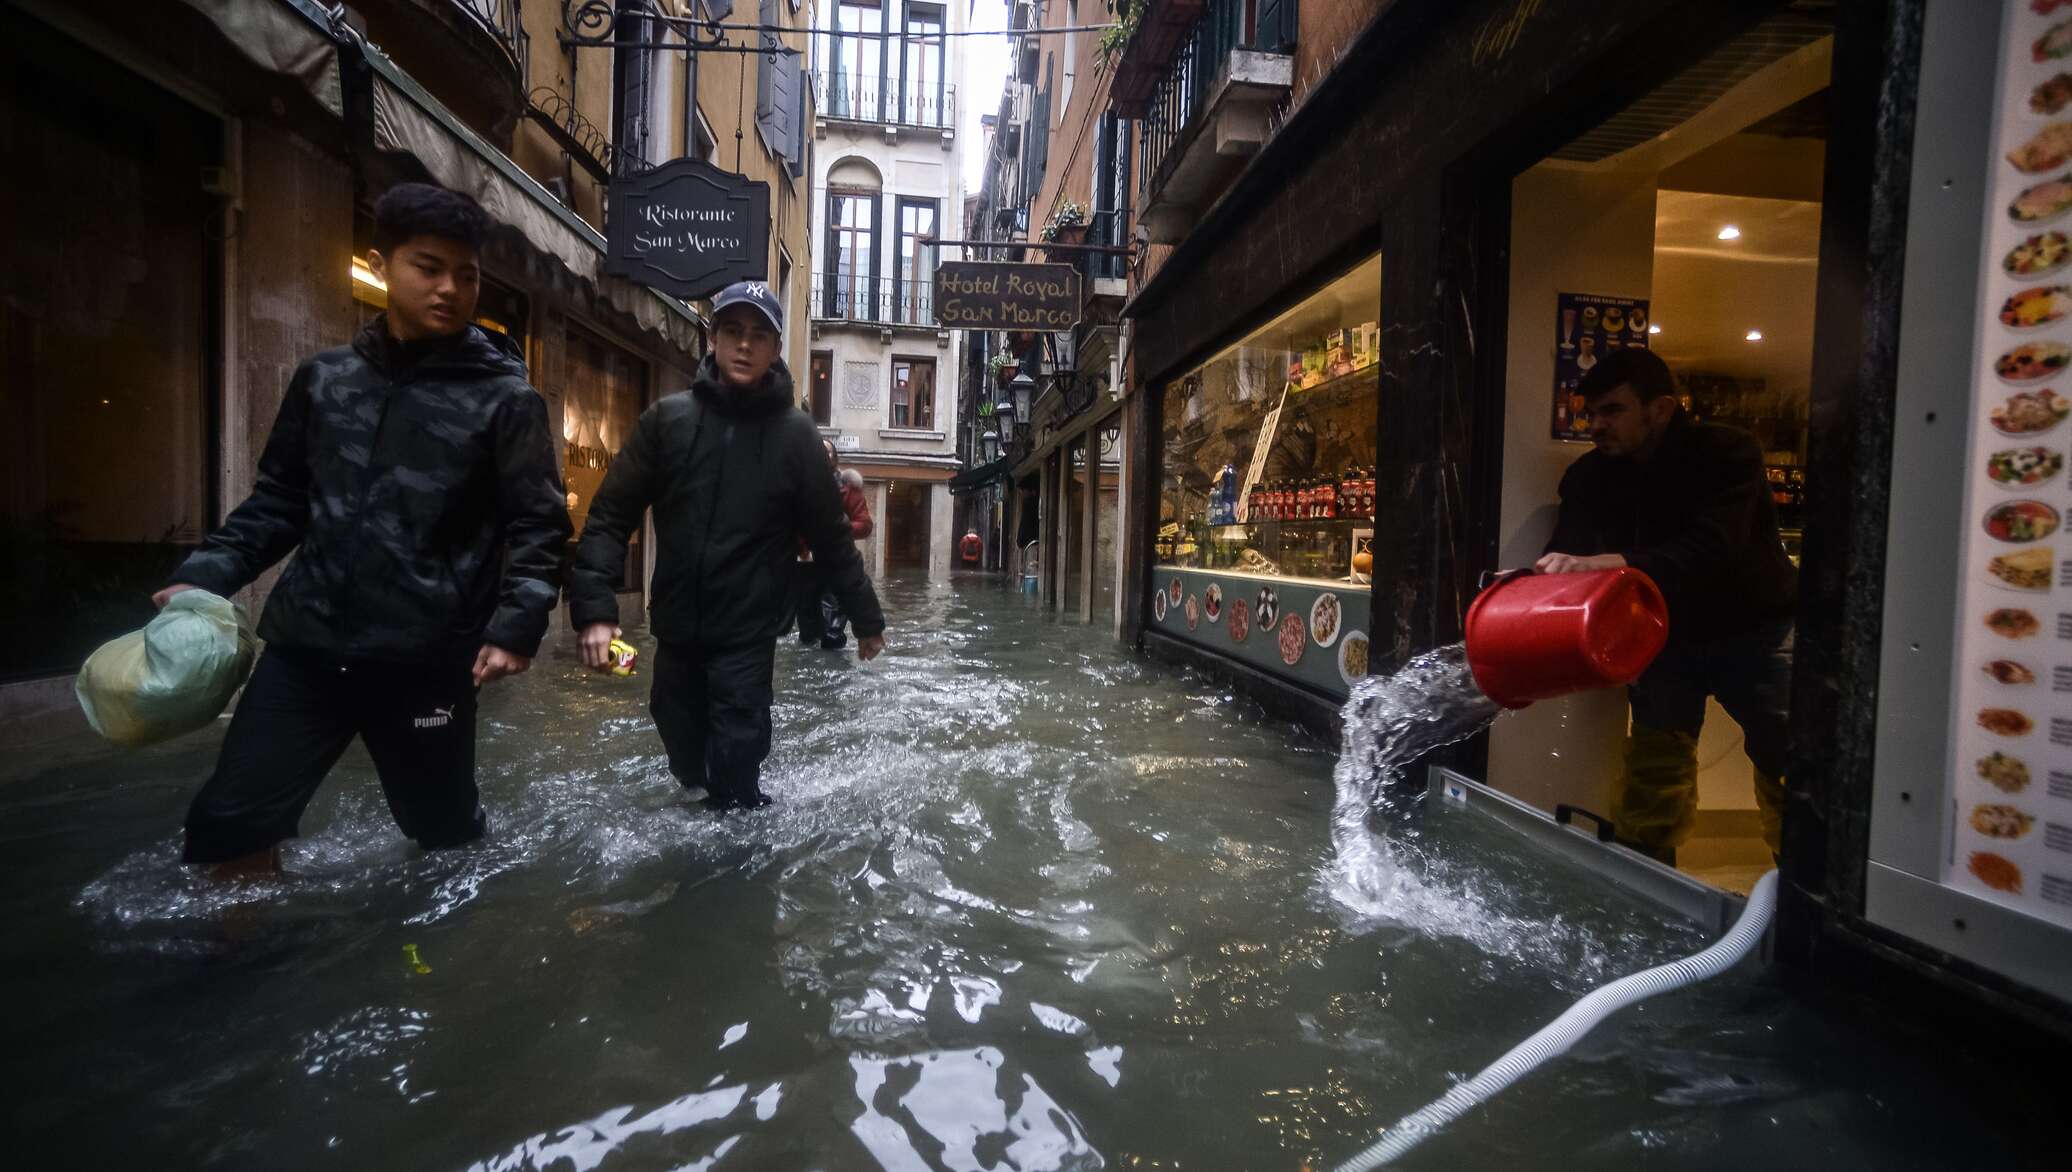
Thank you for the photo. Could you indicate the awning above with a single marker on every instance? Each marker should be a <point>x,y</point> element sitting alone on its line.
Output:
<point>291,37</point>
<point>410,120</point>
<point>979,477</point>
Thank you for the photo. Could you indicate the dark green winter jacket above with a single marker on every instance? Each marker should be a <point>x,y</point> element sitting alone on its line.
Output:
<point>733,477</point>
<point>419,487</point>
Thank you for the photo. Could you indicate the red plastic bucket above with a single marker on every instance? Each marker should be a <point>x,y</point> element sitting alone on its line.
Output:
<point>1538,636</point>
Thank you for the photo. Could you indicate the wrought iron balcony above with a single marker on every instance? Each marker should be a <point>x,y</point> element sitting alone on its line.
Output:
<point>866,97</point>
<point>500,19</point>
<point>1110,228</point>
<point>1210,107</point>
<point>877,300</point>
<point>471,54</point>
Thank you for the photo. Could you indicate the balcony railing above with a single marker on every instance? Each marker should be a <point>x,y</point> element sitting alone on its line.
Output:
<point>503,22</point>
<point>883,300</point>
<point>1110,228</point>
<point>1184,89</point>
<point>866,97</point>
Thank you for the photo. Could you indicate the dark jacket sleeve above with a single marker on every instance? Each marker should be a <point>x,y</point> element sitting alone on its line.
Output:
<point>271,522</point>
<point>821,519</point>
<point>615,512</point>
<point>533,509</point>
<point>1730,488</point>
<point>1575,530</point>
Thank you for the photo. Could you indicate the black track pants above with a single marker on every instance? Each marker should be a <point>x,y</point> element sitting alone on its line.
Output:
<point>297,715</point>
<point>713,711</point>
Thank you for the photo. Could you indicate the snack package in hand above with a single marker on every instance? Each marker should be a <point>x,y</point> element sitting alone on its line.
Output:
<point>174,676</point>
<point>624,656</point>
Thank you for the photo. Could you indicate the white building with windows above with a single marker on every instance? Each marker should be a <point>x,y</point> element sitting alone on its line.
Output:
<point>881,375</point>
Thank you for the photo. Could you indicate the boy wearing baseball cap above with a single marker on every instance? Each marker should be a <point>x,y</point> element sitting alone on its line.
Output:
<point>734,471</point>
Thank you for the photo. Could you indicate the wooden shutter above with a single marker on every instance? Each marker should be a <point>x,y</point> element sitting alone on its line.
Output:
<point>1275,26</point>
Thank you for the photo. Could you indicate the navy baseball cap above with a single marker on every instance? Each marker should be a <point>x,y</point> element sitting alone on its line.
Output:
<point>753,293</point>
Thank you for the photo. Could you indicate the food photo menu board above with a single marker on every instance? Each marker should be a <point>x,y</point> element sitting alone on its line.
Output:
<point>2009,837</point>
<point>1586,328</point>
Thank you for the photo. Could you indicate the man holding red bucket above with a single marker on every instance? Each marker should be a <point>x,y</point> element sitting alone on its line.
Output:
<point>1688,504</point>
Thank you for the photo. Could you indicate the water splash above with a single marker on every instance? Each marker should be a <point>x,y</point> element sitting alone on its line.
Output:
<point>1391,721</point>
<point>1386,878</point>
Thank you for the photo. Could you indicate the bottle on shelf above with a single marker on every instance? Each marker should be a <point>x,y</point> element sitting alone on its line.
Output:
<point>1328,506</point>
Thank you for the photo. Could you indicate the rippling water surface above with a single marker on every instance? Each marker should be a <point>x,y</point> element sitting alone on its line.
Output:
<point>1023,903</point>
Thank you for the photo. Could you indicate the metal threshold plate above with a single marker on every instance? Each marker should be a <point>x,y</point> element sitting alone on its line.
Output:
<point>1713,909</point>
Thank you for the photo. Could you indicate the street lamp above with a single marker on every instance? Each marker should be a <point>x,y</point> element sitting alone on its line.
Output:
<point>1023,387</point>
<point>989,446</point>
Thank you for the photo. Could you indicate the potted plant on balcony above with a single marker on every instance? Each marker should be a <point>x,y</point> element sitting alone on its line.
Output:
<point>1067,224</point>
<point>1128,13</point>
<point>1004,367</point>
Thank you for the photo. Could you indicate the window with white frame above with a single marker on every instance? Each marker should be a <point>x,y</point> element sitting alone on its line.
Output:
<point>913,393</point>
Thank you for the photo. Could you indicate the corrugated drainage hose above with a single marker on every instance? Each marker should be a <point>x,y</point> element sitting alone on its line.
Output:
<point>1569,1028</point>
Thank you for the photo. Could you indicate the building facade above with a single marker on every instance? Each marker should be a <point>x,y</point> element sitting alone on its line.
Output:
<point>880,373</point>
<point>1049,487</point>
<point>212,169</point>
<point>1383,241</point>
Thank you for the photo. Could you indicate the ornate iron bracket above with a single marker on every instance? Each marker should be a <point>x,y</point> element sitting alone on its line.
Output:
<point>595,24</point>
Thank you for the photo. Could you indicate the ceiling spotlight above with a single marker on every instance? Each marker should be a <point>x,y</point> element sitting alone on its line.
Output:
<point>1755,335</point>
<point>1654,329</point>
<point>1730,232</point>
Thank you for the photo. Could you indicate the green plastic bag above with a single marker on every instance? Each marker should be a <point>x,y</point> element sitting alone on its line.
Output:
<point>172,677</point>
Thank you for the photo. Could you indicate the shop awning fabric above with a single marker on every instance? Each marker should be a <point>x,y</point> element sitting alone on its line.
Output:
<point>291,38</point>
<point>297,38</point>
<point>979,477</point>
<point>408,119</point>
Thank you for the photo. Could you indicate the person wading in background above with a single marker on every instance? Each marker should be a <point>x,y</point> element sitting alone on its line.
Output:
<point>734,472</point>
<point>1688,504</point>
<point>820,613</point>
<point>415,478</point>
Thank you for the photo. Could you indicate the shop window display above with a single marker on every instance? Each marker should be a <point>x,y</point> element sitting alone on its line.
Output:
<point>1269,453</point>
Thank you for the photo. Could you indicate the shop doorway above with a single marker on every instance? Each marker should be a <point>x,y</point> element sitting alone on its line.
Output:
<point>1072,530</point>
<point>906,526</point>
<point>1687,224</point>
<point>1107,440</point>
<point>113,304</point>
<point>604,392</point>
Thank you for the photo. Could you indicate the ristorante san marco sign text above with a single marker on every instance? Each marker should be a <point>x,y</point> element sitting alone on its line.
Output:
<point>987,295</point>
<point>688,228</point>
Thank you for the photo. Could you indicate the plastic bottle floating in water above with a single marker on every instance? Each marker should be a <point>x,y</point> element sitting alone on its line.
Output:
<point>416,963</point>
<point>624,656</point>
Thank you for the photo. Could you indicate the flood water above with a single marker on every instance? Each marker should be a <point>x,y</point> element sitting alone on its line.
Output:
<point>1024,902</point>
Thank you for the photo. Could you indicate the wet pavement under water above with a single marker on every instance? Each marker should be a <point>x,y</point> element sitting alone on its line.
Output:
<point>1024,902</point>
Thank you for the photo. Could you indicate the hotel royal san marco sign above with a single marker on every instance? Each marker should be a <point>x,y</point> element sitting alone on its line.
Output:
<point>986,295</point>
<point>688,229</point>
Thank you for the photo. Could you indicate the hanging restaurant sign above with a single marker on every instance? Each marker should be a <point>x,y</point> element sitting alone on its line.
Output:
<point>688,229</point>
<point>994,295</point>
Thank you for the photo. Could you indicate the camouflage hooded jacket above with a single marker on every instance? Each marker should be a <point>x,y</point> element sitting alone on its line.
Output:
<point>399,474</point>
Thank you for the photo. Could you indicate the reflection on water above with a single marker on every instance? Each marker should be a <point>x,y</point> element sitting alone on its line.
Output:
<point>1023,903</point>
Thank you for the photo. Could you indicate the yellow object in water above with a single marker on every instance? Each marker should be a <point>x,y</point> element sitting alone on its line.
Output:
<point>417,965</point>
<point>624,656</point>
